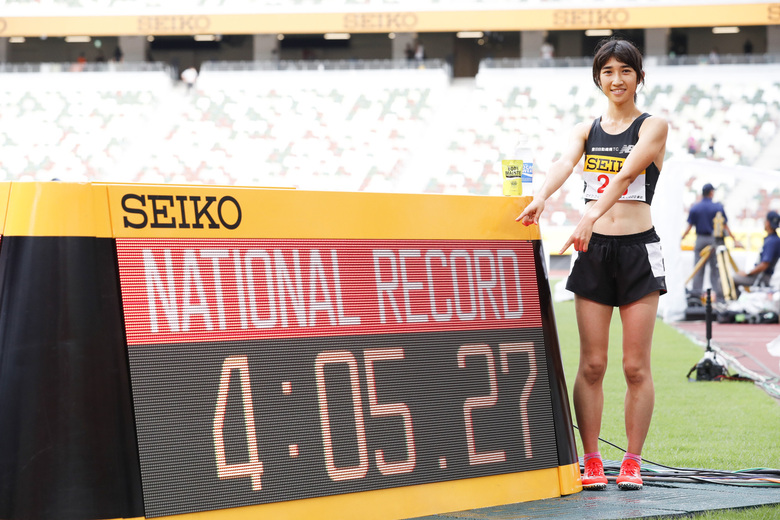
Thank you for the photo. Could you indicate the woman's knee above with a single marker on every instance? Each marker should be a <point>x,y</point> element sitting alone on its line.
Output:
<point>636,374</point>
<point>593,369</point>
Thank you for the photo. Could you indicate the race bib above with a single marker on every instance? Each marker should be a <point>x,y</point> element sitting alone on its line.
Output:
<point>601,169</point>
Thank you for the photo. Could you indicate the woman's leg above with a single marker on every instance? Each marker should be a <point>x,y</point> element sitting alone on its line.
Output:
<point>638,323</point>
<point>593,323</point>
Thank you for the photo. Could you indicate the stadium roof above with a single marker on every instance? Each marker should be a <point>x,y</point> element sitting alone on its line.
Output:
<point>153,17</point>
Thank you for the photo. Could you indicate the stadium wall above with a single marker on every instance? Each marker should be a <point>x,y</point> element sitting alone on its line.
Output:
<point>463,54</point>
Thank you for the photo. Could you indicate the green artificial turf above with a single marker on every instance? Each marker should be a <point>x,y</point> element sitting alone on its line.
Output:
<point>727,425</point>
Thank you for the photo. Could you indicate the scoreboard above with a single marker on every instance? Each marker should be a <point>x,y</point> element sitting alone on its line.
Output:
<point>266,352</point>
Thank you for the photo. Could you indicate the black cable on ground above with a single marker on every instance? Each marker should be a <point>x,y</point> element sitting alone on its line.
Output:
<point>752,477</point>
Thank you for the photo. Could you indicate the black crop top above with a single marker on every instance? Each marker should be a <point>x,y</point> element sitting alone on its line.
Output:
<point>604,156</point>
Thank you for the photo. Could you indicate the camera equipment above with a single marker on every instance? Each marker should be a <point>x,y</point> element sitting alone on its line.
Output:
<point>709,368</point>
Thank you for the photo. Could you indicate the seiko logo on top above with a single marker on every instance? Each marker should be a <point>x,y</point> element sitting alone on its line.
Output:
<point>180,211</point>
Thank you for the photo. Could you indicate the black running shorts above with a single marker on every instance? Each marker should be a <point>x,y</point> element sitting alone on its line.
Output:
<point>619,269</point>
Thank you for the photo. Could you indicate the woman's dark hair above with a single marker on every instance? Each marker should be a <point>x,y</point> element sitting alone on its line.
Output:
<point>622,50</point>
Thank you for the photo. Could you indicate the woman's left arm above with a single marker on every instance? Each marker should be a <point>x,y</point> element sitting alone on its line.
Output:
<point>652,139</point>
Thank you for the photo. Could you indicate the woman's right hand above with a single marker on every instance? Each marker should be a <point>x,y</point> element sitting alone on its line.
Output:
<point>532,212</point>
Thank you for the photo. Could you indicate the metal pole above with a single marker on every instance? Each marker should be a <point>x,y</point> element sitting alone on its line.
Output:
<point>708,318</point>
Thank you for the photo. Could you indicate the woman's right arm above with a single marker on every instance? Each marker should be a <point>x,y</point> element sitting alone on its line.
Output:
<point>559,171</point>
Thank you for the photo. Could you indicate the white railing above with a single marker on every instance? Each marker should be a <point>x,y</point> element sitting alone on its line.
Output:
<point>587,61</point>
<point>49,67</point>
<point>378,64</point>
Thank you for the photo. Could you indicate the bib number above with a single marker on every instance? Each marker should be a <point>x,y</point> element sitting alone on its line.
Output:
<point>597,182</point>
<point>604,180</point>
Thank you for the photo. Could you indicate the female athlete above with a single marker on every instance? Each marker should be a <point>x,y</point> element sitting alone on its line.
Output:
<point>619,262</point>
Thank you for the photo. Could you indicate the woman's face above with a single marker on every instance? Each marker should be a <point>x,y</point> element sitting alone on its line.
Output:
<point>618,81</point>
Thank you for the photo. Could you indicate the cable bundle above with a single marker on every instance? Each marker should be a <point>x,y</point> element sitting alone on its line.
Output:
<point>655,472</point>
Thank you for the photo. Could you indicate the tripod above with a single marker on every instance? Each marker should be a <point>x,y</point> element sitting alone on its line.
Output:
<point>709,368</point>
<point>723,260</point>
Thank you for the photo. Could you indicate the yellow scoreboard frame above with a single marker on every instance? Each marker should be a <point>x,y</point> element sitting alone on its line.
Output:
<point>109,354</point>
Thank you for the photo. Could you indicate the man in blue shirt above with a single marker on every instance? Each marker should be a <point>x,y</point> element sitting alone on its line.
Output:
<point>770,252</point>
<point>701,217</point>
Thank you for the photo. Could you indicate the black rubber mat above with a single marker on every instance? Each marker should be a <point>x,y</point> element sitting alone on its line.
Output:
<point>657,499</point>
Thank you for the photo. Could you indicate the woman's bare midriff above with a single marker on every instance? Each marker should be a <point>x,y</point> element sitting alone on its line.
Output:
<point>624,218</point>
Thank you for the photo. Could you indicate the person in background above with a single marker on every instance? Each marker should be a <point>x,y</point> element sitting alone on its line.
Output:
<point>409,51</point>
<point>620,263</point>
<point>419,50</point>
<point>701,216</point>
<point>691,145</point>
<point>770,252</point>
<point>189,76</point>
<point>714,57</point>
<point>711,148</point>
<point>548,52</point>
<point>81,63</point>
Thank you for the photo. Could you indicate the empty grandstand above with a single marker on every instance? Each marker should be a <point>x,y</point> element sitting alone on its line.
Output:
<point>353,112</point>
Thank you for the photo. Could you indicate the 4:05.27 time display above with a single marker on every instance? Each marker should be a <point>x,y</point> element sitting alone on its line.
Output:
<point>281,419</point>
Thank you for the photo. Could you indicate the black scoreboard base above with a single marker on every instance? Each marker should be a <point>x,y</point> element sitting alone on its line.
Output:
<point>243,352</point>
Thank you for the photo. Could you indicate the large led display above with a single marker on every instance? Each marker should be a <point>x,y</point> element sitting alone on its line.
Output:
<point>273,370</point>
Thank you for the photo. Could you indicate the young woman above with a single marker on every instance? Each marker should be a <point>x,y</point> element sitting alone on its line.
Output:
<point>619,262</point>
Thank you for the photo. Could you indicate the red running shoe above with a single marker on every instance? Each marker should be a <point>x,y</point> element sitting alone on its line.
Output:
<point>630,477</point>
<point>594,478</point>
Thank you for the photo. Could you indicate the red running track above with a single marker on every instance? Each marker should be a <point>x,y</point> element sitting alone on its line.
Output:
<point>745,343</point>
